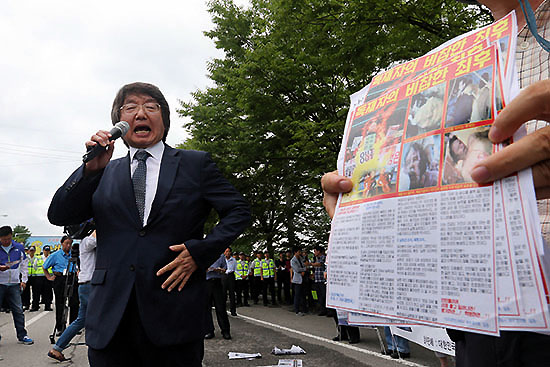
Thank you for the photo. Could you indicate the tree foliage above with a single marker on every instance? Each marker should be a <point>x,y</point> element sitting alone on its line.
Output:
<point>275,116</point>
<point>21,233</point>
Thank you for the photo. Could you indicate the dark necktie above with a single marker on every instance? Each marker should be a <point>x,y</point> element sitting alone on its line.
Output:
<point>139,179</point>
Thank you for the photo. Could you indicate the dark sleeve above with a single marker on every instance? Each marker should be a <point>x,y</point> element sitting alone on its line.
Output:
<point>72,203</point>
<point>232,209</point>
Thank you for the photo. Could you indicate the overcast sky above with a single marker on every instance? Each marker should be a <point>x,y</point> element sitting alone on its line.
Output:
<point>62,63</point>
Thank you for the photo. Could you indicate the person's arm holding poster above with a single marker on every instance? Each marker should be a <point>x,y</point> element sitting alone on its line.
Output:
<point>533,103</point>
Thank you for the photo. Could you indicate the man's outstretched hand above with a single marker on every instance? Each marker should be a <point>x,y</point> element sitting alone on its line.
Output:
<point>182,267</point>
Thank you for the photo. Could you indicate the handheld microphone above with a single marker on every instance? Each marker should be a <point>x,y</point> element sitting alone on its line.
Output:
<point>120,129</point>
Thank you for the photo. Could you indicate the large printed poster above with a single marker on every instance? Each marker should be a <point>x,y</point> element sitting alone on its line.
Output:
<point>423,135</point>
<point>417,241</point>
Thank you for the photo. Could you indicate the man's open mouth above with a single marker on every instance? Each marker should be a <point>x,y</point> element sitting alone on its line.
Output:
<point>142,129</point>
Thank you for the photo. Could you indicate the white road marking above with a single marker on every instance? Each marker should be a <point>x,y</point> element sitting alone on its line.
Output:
<point>325,340</point>
<point>36,318</point>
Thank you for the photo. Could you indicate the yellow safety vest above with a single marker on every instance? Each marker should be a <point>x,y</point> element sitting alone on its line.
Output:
<point>268,268</point>
<point>257,265</point>
<point>242,269</point>
<point>35,266</point>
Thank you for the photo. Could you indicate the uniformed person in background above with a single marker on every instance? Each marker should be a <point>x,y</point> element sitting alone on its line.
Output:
<point>268,279</point>
<point>256,270</point>
<point>241,281</point>
<point>36,278</point>
<point>47,291</point>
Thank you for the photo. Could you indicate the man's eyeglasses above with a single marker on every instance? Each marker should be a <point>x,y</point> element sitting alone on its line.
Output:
<point>132,108</point>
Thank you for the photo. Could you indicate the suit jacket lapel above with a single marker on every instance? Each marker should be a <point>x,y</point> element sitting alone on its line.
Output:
<point>167,174</point>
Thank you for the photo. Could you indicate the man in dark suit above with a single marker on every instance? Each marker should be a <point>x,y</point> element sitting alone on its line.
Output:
<point>147,302</point>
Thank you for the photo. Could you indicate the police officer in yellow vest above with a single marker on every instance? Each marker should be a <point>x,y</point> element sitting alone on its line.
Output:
<point>36,278</point>
<point>241,281</point>
<point>256,272</point>
<point>268,278</point>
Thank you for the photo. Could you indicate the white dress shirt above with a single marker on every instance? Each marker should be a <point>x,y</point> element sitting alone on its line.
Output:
<point>87,259</point>
<point>231,265</point>
<point>153,170</point>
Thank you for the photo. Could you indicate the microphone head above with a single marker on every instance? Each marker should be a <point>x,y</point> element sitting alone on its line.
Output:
<point>123,126</point>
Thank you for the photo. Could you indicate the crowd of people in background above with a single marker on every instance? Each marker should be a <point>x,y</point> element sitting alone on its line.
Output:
<point>295,280</point>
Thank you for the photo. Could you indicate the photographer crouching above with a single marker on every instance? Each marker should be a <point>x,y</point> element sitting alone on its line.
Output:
<point>87,266</point>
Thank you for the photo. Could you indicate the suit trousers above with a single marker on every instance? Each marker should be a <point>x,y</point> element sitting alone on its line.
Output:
<point>268,283</point>
<point>37,283</point>
<point>283,282</point>
<point>228,283</point>
<point>321,289</point>
<point>130,346</point>
<point>215,294</point>
<point>256,288</point>
<point>59,289</point>
<point>299,298</point>
<point>47,295</point>
<point>241,291</point>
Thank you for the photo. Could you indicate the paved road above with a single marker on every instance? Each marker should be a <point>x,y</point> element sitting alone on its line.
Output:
<point>257,329</point>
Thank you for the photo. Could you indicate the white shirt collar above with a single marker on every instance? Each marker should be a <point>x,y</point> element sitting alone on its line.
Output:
<point>156,151</point>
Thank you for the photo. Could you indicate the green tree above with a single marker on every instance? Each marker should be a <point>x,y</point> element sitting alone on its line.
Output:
<point>21,233</point>
<point>274,118</point>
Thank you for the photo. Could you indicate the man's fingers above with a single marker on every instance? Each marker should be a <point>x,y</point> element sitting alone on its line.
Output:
<point>182,267</point>
<point>530,104</point>
<point>176,248</point>
<point>177,280</point>
<point>166,268</point>
<point>524,153</point>
<point>179,277</point>
<point>101,137</point>
<point>177,261</point>
<point>175,274</point>
<point>334,184</point>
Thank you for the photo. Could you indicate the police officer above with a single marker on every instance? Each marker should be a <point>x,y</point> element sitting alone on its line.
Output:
<point>241,280</point>
<point>268,278</point>
<point>47,291</point>
<point>256,271</point>
<point>36,278</point>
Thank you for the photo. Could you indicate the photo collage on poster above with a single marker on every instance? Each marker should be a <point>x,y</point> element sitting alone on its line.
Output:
<point>426,134</point>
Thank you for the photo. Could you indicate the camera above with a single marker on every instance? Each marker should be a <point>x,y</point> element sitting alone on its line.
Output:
<point>79,231</point>
<point>75,251</point>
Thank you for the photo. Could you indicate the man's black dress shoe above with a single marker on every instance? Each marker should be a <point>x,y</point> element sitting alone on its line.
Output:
<point>226,336</point>
<point>209,336</point>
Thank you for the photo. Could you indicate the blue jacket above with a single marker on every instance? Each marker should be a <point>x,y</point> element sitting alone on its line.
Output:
<point>19,264</point>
